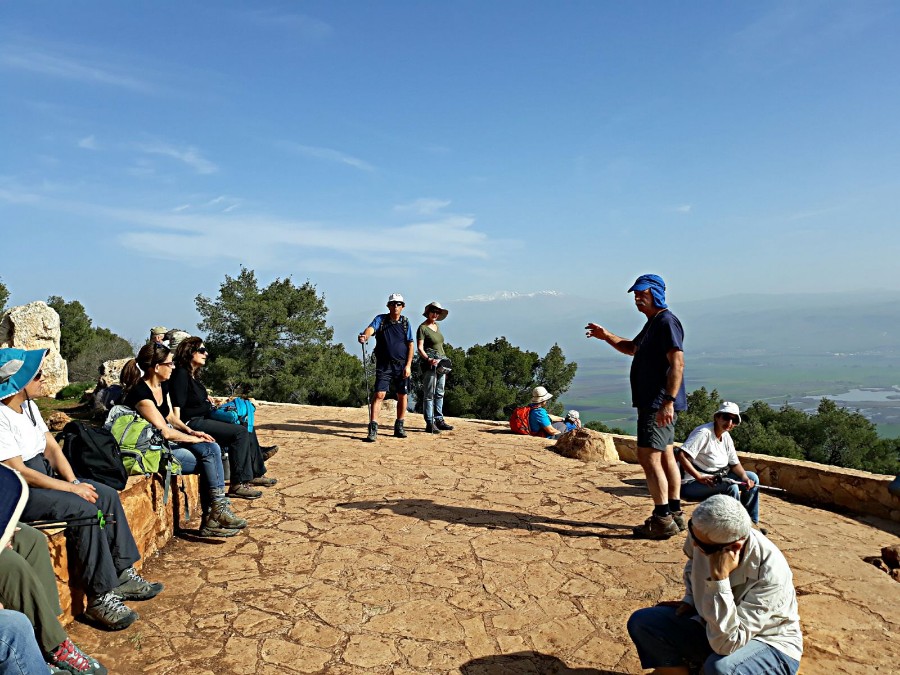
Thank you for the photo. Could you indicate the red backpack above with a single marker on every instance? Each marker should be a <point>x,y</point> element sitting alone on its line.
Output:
<point>519,424</point>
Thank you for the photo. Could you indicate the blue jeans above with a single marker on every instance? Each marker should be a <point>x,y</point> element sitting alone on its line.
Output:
<point>696,491</point>
<point>202,458</point>
<point>19,651</point>
<point>664,639</point>
<point>433,395</point>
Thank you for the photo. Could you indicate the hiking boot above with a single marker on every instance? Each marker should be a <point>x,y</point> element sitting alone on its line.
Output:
<point>268,451</point>
<point>678,517</point>
<point>68,658</point>
<point>431,428</point>
<point>656,528</point>
<point>99,669</point>
<point>399,431</point>
<point>109,612</point>
<point>373,432</point>
<point>442,425</point>
<point>262,481</point>
<point>132,586</point>
<point>244,491</point>
<point>222,512</point>
<point>210,527</point>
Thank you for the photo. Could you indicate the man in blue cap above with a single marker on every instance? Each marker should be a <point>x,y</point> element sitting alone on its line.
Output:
<point>657,391</point>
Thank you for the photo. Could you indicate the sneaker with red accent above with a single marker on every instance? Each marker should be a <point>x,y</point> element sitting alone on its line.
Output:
<point>68,658</point>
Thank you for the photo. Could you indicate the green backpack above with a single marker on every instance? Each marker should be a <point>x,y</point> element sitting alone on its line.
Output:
<point>144,450</point>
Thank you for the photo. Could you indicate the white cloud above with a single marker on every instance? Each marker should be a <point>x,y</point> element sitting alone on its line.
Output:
<point>88,143</point>
<point>43,62</point>
<point>507,295</point>
<point>330,155</point>
<point>682,208</point>
<point>301,24</point>
<point>183,207</point>
<point>423,206</point>
<point>189,155</point>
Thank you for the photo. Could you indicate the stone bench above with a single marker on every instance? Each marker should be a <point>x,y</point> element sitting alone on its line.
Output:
<point>152,524</point>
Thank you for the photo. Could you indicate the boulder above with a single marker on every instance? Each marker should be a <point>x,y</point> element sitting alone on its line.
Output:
<point>56,421</point>
<point>588,446</point>
<point>891,556</point>
<point>36,326</point>
<point>109,372</point>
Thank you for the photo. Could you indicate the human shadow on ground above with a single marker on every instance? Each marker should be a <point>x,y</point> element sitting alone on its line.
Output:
<point>426,509</point>
<point>317,427</point>
<point>530,663</point>
<point>634,487</point>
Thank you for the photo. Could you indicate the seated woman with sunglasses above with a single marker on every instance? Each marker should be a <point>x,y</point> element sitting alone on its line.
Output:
<point>105,557</point>
<point>711,465</point>
<point>148,394</point>
<point>192,405</point>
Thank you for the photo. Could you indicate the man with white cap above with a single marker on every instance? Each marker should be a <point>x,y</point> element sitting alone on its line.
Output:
<point>657,391</point>
<point>711,464</point>
<point>158,334</point>
<point>739,612</point>
<point>394,349</point>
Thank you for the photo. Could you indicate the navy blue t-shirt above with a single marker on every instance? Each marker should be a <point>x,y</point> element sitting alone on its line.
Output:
<point>650,366</point>
<point>391,340</point>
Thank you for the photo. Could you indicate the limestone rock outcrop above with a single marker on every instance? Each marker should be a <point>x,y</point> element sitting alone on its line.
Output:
<point>109,372</point>
<point>588,446</point>
<point>36,326</point>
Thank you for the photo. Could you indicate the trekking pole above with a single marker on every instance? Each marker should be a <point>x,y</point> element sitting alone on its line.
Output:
<point>433,396</point>
<point>366,371</point>
<point>743,483</point>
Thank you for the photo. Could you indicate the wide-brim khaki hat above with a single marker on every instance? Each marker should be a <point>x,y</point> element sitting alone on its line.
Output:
<point>540,394</point>
<point>436,305</point>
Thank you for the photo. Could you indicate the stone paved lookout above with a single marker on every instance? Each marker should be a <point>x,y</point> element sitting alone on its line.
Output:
<point>475,551</point>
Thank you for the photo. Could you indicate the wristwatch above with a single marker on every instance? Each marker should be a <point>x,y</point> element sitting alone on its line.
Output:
<point>668,397</point>
<point>76,482</point>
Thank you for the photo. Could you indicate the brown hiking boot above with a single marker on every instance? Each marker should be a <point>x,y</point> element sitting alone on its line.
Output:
<point>221,512</point>
<point>656,528</point>
<point>678,517</point>
<point>244,491</point>
<point>263,481</point>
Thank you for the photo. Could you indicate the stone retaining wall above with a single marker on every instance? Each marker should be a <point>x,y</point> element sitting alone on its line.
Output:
<point>858,491</point>
<point>152,524</point>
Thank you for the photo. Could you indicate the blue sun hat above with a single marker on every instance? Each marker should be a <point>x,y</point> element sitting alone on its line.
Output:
<point>656,285</point>
<point>17,368</point>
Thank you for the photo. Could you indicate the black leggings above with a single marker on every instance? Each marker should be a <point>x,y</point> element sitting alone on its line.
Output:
<point>244,455</point>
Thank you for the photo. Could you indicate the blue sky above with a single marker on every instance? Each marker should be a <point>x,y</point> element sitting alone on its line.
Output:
<point>445,150</point>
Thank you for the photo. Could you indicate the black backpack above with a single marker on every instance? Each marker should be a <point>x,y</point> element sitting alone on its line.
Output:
<point>93,453</point>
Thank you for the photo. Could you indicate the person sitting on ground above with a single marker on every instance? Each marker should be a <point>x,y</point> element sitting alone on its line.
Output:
<point>158,334</point>
<point>430,342</point>
<point>540,421</point>
<point>739,611</point>
<point>105,557</point>
<point>711,465</point>
<point>191,404</point>
<point>28,585</point>
<point>148,394</point>
<point>393,362</point>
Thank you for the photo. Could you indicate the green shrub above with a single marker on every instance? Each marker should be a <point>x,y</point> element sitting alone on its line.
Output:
<point>75,390</point>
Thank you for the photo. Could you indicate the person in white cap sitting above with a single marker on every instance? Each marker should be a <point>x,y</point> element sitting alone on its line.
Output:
<point>711,465</point>
<point>430,343</point>
<point>394,349</point>
<point>738,615</point>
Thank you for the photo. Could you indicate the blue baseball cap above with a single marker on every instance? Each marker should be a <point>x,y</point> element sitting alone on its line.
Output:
<point>656,285</point>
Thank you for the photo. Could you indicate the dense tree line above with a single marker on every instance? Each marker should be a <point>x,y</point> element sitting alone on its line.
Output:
<point>831,435</point>
<point>83,345</point>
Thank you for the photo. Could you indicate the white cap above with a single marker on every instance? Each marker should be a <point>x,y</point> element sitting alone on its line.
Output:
<point>395,297</point>
<point>730,408</point>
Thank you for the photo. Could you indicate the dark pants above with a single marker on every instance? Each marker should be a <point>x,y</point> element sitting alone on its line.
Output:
<point>100,554</point>
<point>28,585</point>
<point>244,456</point>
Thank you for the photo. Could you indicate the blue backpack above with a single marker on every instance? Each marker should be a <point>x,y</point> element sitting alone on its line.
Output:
<point>237,411</point>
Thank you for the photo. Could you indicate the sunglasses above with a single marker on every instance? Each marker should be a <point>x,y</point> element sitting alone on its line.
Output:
<point>171,364</point>
<point>708,549</point>
<point>397,304</point>
<point>202,350</point>
<point>38,375</point>
<point>727,417</point>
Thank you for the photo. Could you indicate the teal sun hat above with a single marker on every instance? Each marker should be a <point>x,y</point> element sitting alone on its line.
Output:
<point>17,368</point>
